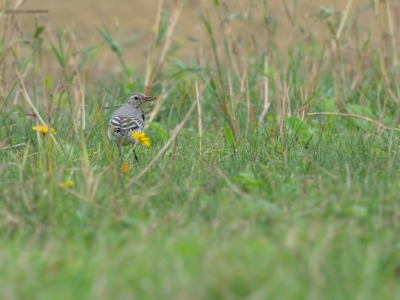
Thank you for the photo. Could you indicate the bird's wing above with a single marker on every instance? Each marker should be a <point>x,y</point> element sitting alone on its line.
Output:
<point>123,124</point>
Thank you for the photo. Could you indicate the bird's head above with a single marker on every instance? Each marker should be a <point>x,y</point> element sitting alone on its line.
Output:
<point>137,99</point>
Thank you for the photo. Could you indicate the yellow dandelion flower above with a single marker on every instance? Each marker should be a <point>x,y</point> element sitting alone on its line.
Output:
<point>43,130</point>
<point>125,168</point>
<point>141,138</point>
<point>67,184</point>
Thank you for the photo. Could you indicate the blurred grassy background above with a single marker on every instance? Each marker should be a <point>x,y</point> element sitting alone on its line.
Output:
<point>137,18</point>
<point>273,170</point>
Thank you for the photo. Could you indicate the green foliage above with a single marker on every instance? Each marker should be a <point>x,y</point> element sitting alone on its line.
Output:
<point>59,53</point>
<point>248,180</point>
<point>300,129</point>
<point>229,137</point>
<point>38,32</point>
<point>107,37</point>
<point>158,129</point>
<point>364,112</point>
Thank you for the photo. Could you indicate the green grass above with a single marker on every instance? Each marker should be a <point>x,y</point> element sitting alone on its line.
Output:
<point>288,207</point>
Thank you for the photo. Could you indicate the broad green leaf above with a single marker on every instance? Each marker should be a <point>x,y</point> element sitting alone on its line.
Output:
<point>229,136</point>
<point>363,111</point>
<point>299,128</point>
<point>38,31</point>
<point>115,47</point>
<point>60,44</point>
<point>248,179</point>
<point>213,85</point>
<point>331,28</point>
<point>58,55</point>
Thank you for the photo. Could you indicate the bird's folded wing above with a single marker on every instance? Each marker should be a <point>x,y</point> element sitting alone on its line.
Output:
<point>126,124</point>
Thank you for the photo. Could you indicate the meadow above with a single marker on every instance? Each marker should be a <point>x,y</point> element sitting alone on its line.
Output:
<point>271,174</point>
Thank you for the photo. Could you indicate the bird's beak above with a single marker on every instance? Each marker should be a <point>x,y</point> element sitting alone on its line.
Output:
<point>148,98</point>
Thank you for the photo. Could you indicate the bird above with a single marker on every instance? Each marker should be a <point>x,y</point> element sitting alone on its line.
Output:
<point>126,119</point>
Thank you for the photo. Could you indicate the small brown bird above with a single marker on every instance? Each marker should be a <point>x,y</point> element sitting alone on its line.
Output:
<point>126,119</point>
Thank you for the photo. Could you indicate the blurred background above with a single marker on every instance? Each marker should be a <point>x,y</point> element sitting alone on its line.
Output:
<point>137,19</point>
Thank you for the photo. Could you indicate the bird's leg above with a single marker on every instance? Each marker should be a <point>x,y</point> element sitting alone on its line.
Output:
<point>136,158</point>
<point>119,151</point>
<point>134,153</point>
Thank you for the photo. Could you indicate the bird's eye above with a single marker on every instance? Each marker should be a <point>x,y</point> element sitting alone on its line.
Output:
<point>136,97</point>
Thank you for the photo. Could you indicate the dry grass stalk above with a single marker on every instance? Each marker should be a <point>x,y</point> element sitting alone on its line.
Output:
<point>198,100</point>
<point>266,88</point>
<point>28,99</point>
<point>150,75</point>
